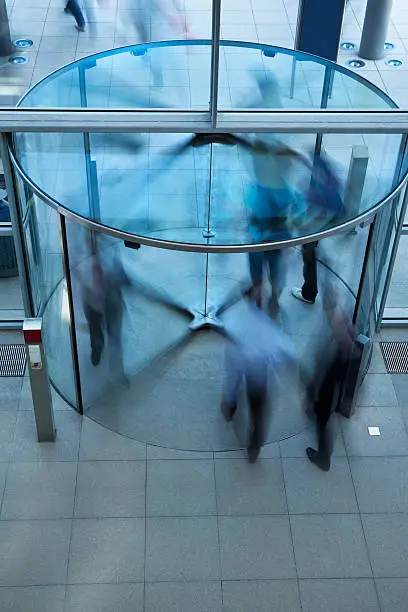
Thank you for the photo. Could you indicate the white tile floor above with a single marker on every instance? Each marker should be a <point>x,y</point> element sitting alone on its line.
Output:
<point>97,521</point>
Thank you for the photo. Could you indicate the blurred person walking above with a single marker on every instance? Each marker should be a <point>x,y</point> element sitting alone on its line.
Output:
<point>258,352</point>
<point>72,7</point>
<point>335,365</point>
<point>104,307</point>
<point>270,201</point>
<point>324,206</point>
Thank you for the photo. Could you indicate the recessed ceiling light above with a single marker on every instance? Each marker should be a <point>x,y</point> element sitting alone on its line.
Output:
<point>374,431</point>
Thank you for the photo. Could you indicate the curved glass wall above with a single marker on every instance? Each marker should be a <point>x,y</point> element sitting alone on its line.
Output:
<point>159,373</point>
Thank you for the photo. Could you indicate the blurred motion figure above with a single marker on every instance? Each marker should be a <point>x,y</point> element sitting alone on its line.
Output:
<point>258,349</point>
<point>334,367</point>
<point>104,306</point>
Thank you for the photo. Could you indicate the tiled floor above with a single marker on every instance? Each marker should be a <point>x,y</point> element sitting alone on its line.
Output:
<point>99,522</point>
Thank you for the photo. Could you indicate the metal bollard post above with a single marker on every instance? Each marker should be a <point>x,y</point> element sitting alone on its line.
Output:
<point>40,386</point>
<point>356,180</point>
<point>376,20</point>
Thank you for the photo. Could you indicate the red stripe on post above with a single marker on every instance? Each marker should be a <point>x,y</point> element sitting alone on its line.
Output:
<point>32,336</point>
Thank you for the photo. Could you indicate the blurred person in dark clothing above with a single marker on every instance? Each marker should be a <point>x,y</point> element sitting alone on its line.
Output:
<point>104,307</point>
<point>324,205</point>
<point>72,7</point>
<point>335,366</point>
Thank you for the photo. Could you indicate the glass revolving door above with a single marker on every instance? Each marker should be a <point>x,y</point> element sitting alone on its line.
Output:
<point>169,223</point>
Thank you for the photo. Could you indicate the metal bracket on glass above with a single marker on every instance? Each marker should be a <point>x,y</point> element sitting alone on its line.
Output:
<point>205,320</point>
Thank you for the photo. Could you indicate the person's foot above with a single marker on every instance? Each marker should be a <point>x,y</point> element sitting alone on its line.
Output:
<point>254,293</point>
<point>319,459</point>
<point>96,356</point>
<point>80,28</point>
<point>273,307</point>
<point>228,410</point>
<point>66,10</point>
<point>297,293</point>
<point>253,453</point>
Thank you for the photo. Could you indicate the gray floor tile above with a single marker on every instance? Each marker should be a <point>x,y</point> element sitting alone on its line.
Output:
<point>183,597</point>
<point>400,382</point>
<point>8,420</point>
<point>377,365</point>
<point>393,594</point>
<point>269,451</point>
<point>43,489</point>
<point>34,552</point>
<point>107,550</point>
<point>381,483</point>
<point>160,452</point>
<point>377,390</point>
<point>295,446</point>
<point>180,488</point>
<point>32,599</point>
<point>10,389</point>
<point>105,598</point>
<point>261,596</point>
<point>387,541</point>
<point>182,549</point>
<point>330,546</point>
<point>64,448</point>
<point>243,488</point>
<point>338,595</point>
<point>97,442</point>
<point>256,547</point>
<point>110,488</point>
<point>392,441</point>
<point>309,490</point>
<point>3,471</point>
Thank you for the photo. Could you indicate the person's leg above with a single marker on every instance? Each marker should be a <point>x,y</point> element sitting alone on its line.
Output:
<point>323,409</point>
<point>257,401</point>
<point>257,385</point>
<point>276,278</point>
<point>309,289</point>
<point>256,260</point>
<point>95,322</point>
<point>114,322</point>
<point>73,7</point>
<point>233,377</point>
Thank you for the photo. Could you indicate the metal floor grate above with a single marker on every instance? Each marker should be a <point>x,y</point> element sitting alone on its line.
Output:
<point>12,359</point>
<point>395,356</point>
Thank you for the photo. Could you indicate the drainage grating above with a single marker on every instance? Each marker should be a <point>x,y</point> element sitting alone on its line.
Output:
<point>395,356</point>
<point>12,359</point>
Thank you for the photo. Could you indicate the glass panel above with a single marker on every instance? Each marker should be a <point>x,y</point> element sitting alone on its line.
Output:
<point>397,299</point>
<point>152,75</point>
<point>263,76</point>
<point>132,306</point>
<point>11,301</point>
<point>49,289</point>
<point>158,185</point>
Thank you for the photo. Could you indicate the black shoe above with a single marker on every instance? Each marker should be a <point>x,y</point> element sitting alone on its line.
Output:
<point>319,459</point>
<point>67,11</point>
<point>228,410</point>
<point>96,355</point>
<point>253,453</point>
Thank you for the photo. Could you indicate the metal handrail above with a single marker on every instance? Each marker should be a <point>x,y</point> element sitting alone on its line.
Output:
<point>322,121</point>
